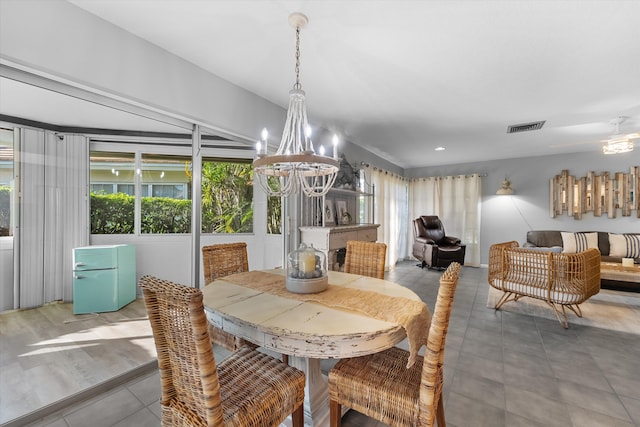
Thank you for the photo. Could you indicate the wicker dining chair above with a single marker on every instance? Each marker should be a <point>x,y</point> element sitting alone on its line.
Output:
<point>380,385</point>
<point>247,388</point>
<point>365,258</point>
<point>222,260</point>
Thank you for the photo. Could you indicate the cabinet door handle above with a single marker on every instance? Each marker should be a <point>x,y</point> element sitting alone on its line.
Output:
<point>77,276</point>
<point>80,264</point>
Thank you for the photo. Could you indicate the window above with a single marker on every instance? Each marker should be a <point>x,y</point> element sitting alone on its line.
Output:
<point>164,194</point>
<point>166,202</point>
<point>6,182</point>
<point>174,191</point>
<point>227,196</point>
<point>274,215</point>
<point>103,188</point>
<point>112,210</point>
<point>129,189</point>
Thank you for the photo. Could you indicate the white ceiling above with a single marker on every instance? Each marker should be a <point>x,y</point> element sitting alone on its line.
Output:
<point>400,78</point>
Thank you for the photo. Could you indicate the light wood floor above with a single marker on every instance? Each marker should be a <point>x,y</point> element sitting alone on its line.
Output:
<point>48,354</point>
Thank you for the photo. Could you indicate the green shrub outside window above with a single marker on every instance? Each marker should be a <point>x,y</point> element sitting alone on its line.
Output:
<point>5,210</point>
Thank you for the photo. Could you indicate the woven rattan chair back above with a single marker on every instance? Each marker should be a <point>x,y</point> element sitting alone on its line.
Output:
<point>190,387</point>
<point>365,258</point>
<point>258,390</point>
<point>224,259</point>
<point>382,387</point>
<point>431,405</point>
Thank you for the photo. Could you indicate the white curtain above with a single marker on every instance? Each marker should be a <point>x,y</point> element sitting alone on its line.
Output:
<point>390,209</point>
<point>456,200</point>
<point>67,204</point>
<point>54,214</point>
<point>30,227</point>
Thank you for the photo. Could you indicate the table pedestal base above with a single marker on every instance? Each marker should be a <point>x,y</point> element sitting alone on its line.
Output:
<point>316,391</point>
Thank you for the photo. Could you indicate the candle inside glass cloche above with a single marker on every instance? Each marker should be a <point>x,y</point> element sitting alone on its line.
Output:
<point>306,270</point>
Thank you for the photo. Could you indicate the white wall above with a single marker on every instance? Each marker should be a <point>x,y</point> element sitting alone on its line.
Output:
<point>60,39</point>
<point>507,218</point>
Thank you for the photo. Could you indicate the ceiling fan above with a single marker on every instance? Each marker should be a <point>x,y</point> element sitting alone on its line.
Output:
<point>588,130</point>
<point>619,143</point>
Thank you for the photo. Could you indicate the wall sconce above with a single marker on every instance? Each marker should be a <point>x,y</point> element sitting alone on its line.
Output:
<point>506,188</point>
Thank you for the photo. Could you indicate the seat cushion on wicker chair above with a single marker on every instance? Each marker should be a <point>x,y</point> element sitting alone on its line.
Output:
<point>540,292</point>
<point>356,383</point>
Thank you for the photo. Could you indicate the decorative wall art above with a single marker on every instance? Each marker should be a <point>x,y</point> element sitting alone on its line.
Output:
<point>603,194</point>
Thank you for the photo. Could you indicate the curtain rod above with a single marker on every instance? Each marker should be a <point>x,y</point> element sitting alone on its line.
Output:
<point>481,175</point>
<point>367,165</point>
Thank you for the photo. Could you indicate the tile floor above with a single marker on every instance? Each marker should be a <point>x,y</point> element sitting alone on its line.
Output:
<point>501,369</point>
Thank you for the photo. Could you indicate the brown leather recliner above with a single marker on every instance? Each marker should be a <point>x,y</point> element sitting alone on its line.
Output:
<point>432,247</point>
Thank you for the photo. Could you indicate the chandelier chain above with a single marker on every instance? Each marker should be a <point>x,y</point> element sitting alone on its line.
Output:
<point>297,85</point>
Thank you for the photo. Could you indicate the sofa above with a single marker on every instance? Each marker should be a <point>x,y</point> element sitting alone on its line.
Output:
<point>553,239</point>
<point>559,279</point>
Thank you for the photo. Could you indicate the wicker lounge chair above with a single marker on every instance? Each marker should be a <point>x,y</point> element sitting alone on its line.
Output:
<point>248,388</point>
<point>559,279</point>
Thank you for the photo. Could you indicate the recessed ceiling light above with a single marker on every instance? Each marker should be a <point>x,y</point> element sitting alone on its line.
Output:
<point>439,148</point>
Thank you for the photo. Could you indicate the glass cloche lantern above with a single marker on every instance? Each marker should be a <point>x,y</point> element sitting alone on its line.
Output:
<point>306,270</point>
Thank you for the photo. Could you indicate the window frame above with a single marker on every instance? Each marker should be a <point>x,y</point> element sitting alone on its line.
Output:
<point>170,148</point>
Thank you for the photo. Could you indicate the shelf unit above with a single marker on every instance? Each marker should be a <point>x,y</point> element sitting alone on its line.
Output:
<point>326,211</point>
<point>323,225</point>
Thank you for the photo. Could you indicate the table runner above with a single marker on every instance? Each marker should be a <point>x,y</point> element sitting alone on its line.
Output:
<point>412,315</point>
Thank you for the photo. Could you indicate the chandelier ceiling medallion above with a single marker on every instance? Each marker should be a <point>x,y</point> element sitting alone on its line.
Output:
<point>619,143</point>
<point>295,162</point>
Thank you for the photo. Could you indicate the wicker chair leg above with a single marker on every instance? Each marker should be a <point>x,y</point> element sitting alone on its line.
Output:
<point>506,297</point>
<point>561,316</point>
<point>285,359</point>
<point>440,413</point>
<point>297,418</point>
<point>335,414</point>
<point>576,309</point>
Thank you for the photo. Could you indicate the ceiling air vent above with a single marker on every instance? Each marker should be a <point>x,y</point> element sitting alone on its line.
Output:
<point>525,127</point>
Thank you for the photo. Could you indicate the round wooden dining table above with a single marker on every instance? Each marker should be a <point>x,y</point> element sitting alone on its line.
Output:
<point>307,331</point>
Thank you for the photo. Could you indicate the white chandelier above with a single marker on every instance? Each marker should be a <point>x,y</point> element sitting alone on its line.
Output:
<point>295,163</point>
<point>619,143</point>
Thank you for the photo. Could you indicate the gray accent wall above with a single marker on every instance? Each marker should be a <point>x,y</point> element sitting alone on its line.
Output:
<point>506,218</point>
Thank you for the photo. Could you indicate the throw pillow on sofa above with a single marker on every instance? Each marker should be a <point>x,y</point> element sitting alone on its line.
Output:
<point>624,245</point>
<point>578,242</point>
